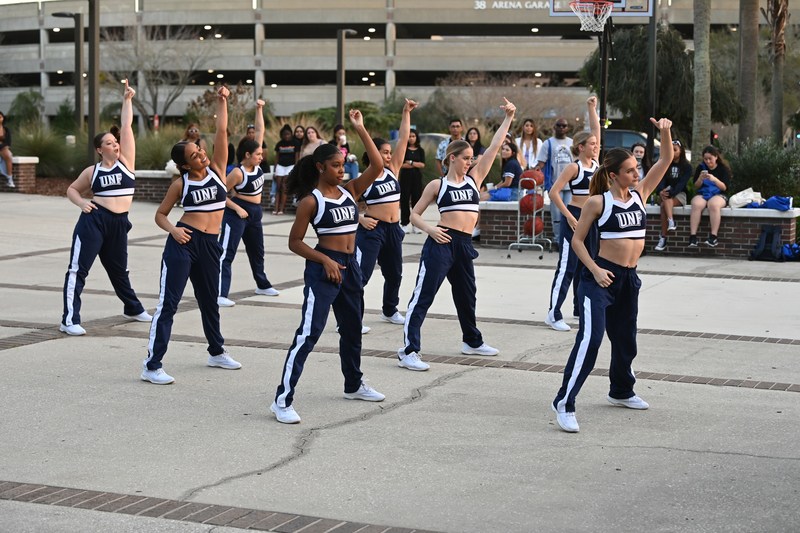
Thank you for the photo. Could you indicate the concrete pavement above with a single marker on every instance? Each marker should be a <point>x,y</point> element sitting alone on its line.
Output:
<point>462,447</point>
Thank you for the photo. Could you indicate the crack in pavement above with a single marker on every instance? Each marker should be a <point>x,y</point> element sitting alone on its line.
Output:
<point>689,450</point>
<point>304,441</point>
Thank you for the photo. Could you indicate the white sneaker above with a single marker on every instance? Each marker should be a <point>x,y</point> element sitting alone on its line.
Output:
<point>157,376</point>
<point>634,402</point>
<point>74,329</point>
<point>224,302</point>
<point>366,393</point>
<point>224,360</point>
<point>396,318</point>
<point>483,349</point>
<point>287,415</point>
<point>144,316</point>
<point>476,233</point>
<point>10,182</point>
<point>267,292</point>
<point>672,226</point>
<point>364,329</point>
<point>408,229</point>
<point>416,229</point>
<point>662,244</point>
<point>566,421</point>
<point>411,361</point>
<point>558,325</point>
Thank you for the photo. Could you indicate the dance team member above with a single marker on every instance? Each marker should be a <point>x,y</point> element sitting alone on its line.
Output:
<point>379,237</point>
<point>243,214</point>
<point>332,275</point>
<point>609,289</point>
<point>577,175</point>
<point>448,252</point>
<point>192,250</point>
<point>102,229</point>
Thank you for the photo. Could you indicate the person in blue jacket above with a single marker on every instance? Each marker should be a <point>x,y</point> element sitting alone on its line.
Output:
<point>712,179</point>
<point>673,191</point>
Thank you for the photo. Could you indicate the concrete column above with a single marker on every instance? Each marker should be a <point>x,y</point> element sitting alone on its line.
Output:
<point>391,35</point>
<point>140,79</point>
<point>44,80</point>
<point>258,81</point>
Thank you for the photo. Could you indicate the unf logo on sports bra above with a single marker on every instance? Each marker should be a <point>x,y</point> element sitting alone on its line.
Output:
<point>258,182</point>
<point>341,214</point>
<point>203,195</point>
<point>110,180</point>
<point>461,196</point>
<point>627,220</point>
<point>385,188</point>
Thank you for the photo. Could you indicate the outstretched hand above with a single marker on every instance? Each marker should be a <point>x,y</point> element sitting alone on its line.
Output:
<point>508,108</point>
<point>356,119</point>
<point>664,124</point>
<point>129,92</point>
<point>410,105</point>
<point>223,93</point>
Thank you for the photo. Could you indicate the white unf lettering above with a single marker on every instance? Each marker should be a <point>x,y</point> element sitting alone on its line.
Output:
<point>110,179</point>
<point>385,188</point>
<point>258,183</point>
<point>341,214</point>
<point>461,196</point>
<point>627,220</point>
<point>203,195</point>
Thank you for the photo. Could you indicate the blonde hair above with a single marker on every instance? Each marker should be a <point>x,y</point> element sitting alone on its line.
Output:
<point>580,138</point>
<point>455,148</point>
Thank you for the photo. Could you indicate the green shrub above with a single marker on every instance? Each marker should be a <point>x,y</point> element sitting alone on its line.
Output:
<point>153,150</point>
<point>768,169</point>
<point>56,158</point>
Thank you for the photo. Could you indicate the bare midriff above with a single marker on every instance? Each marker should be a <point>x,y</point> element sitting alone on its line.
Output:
<point>463,221</point>
<point>388,212</point>
<point>578,201</point>
<point>115,204</point>
<point>205,222</point>
<point>339,243</point>
<point>623,252</point>
<point>249,199</point>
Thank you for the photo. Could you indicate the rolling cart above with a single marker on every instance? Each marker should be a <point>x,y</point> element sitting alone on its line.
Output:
<point>530,224</point>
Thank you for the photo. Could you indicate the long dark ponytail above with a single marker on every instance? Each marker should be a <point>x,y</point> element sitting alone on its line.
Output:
<point>612,162</point>
<point>304,176</point>
<point>378,142</point>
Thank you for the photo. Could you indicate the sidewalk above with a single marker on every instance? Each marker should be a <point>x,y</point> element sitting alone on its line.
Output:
<point>469,446</point>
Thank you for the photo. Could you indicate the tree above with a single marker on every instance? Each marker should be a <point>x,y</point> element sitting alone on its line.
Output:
<point>159,61</point>
<point>777,17</point>
<point>748,67</point>
<point>26,108</point>
<point>241,109</point>
<point>375,120</point>
<point>701,115</point>
<point>674,82</point>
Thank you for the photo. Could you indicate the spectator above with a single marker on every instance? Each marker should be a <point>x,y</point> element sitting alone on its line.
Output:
<point>554,156</point>
<point>231,155</point>
<point>299,135</point>
<point>455,135</point>
<point>474,140</point>
<point>639,151</point>
<point>287,152</point>
<point>508,189</point>
<point>672,191</point>
<point>5,150</point>
<point>712,179</point>
<point>192,135</point>
<point>350,160</point>
<point>529,143</point>
<point>311,142</point>
<point>411,180</point>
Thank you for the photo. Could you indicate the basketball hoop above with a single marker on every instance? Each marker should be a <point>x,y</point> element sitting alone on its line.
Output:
<point>593,14</point>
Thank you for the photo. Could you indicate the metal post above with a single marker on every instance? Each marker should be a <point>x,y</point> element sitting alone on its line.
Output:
<point>652,54</point>
<point>340,36</point>
<point>605,39</point>
<point>94,75</point>
<point>78,74</point>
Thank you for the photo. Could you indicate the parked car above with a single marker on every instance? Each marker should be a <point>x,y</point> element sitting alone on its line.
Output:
<point>626,139</point>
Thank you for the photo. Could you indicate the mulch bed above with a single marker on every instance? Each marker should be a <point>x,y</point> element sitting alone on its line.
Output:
<point>53,186</point>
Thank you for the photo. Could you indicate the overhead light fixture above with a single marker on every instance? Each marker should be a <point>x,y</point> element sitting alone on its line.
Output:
<point>436,38</point>
<point>211,83</point>
<point>211,71</point>
<point>274,85</point>
<point>538,74</point>
<point>372,85</point>
<point>535,30</point>
<point>218,36</point>
<point>59,72</point>
<point>206,27</point>
<point>56,30</point>
<point>364,79</point>
<point>249,81</point>
<point>84,74</point>
<point>61,83</point>
<point>371,30</point>
<point>220,76</point>
<point>366,38</point>
<point>371,73</point>
<point>201,39</point>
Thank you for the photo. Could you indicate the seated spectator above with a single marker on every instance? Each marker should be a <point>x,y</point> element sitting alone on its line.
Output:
<point>673,191</point>
<point>311,142</point>
<point>712,179</point>
<point>474,140</point>
<point>5,150</point>
<point>639,151</point>
<point>508,189</point>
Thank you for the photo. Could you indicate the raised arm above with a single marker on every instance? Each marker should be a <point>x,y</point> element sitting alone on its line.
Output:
<point>480,170</point>
<point>127,143</point>
<point>594,120</point>
<point>259,122</point>
<point>657,171</point>
<point>360,184</point>
<point>402,142</point>
<point>220,160</point>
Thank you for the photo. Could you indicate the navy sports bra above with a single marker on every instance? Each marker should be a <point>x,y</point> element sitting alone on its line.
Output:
<point>252,183</point>
<point>622,220</point>
<point>335,217</point>
<point>204,196</point>
<point>580,185</point>
<point>463,197</point>
<point>383,190</point>
<point>114,181</point>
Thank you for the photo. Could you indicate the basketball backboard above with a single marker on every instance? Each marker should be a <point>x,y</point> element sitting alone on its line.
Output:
<point>622,8</point>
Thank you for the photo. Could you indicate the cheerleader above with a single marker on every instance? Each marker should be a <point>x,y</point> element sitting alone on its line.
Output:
<point>379,237</point>
<point>332,275</point>
<point>609,289</point>
<point>102,229</point>
<point>448,251</point>
<point>243,213</point>
<point>192,250</point>
<point>576,176</point>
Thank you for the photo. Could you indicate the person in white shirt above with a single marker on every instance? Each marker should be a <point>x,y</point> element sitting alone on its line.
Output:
<point>529,143</point>
<point>554,156</point>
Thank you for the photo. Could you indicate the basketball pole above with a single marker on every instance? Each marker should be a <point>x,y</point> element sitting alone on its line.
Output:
<point>604,41</point>
<point>652,49</point>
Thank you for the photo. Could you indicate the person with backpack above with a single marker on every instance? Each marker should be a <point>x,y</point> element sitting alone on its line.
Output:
<point>553,158</point>
<point>712,179</point>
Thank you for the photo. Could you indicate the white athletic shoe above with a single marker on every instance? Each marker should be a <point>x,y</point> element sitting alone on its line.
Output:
<point>671,225</point>
<point>10,182</point>
<point>411,361</point>
<point>267,292</point>
<point>224,360</point>
<point>364,329</point>
<point>634,402</point>
<point>417,230</point>
<point>566,421</point>
<point>483,349</point>
<point>74,329</point>
<point>366,393</point>
<point>476,233</point>
<point>558,325</point>
<point>287,415</point>
<point>157,376</point>
<point>396,318</point>
<point>408,229</point>
<point>141,317</point>
<point>224,302</point>
<point>662,244</point>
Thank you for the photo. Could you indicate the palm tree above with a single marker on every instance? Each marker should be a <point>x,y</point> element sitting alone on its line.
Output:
<point>777,17</point>
<point>748,67</point>
<point>701,125</point>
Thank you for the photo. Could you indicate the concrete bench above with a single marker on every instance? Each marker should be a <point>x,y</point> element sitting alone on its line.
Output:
<point>24,174</point>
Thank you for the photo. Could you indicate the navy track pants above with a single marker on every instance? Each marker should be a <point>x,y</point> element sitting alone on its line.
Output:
<point>100,233</point>
<point>612,310</point>
<point>569,266</point>
<point>382,244</point>
<point>320,294</point>
<point>452,260</point>
<point>249,230</point>
<point>197,260</point>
